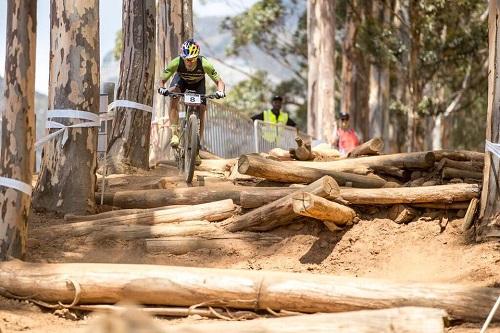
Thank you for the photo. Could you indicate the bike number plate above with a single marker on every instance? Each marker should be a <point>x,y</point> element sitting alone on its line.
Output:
<point>192,99</point>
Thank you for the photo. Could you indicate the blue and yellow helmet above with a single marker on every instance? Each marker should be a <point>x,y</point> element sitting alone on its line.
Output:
<point>190,49</point>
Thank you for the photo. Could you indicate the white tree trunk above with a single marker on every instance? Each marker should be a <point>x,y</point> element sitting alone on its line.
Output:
<point>313,40</point>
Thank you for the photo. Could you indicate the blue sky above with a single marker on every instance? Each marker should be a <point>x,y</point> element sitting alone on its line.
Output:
<point>110,23</point>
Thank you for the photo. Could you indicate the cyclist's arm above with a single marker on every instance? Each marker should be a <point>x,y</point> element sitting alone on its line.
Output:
<point>209,69</point>
<point>170,70</point>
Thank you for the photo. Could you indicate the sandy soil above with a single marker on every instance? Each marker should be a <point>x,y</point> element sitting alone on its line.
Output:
<point>426,250</point>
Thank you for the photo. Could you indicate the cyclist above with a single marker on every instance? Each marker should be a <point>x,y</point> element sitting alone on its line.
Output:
<point>189,70</point>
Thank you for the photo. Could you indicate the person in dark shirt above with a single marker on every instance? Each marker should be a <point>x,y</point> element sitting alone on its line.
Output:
<point>275,115</point>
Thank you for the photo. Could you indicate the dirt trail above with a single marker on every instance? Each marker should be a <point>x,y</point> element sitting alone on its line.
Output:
<point>424,251</point>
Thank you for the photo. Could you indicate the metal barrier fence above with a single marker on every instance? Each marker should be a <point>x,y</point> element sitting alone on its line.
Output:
<point>268,136</point>
<point>228,133</point>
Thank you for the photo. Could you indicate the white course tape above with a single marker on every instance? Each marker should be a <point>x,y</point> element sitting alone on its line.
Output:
<point>16,185</point>
<point>93,121</point>
<point>129,104</point>
<point>494,148</point>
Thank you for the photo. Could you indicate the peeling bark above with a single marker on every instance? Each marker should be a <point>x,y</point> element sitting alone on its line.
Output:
<point>490,200</point>
<point>67,178</point>
<point>18,125</point>
<point>130,135</point>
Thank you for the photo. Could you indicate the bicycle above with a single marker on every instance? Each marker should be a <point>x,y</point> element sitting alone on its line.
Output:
<point>189,132</point>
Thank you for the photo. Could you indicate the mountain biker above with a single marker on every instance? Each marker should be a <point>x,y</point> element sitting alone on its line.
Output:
<point>189,70</point>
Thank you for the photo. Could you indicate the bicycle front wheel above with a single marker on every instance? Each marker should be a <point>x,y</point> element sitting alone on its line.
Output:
<point>191,147</point>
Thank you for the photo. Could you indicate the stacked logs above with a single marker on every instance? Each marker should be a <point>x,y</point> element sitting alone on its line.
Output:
<point>236,211</point>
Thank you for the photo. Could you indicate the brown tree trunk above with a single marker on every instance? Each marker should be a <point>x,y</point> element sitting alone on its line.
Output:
<point>280,212</point>
<point>313,41</point>
<point>171,31</point>
<point>214,240</point>
<point>281,172</point>
<point>321,122</point>
<point>406,319</point>
<point>212,211</point>
<point>18,125</point>
<point>331,213</point>
<point>348,62</point>
<point>67,178</point>
<point>130,135</point>
<point>179,196</point>
<point>433,194</point>
<point>243,289</point>
<point>490,200</point>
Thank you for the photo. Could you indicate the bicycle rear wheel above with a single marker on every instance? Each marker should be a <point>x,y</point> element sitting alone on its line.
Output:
<point>191,146</point>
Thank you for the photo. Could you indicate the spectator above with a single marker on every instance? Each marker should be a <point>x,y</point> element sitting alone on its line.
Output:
<point>346,138</point>
<point>275,115</point>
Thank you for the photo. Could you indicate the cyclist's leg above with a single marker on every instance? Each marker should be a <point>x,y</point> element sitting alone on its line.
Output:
<point>199,88</point>
<point>177,85</point>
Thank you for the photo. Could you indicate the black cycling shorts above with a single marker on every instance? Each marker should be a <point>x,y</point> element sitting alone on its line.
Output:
<point>198,87</point>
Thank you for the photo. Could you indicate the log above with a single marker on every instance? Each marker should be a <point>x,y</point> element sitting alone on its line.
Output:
<point>470,214</point>
<point>420,160</point>
<point>213,211</point>
<point>407,319</point>
<point>449,173</point>
<point>278,172</point>
<point>241,289</point>
<point>280,154</point>
<point>443,205</point>
<point>280,212</point>
<point>476,166</point>
<point>206,155</point>
<point>408,195</point>
<point>182,245</point>
<point>252,199</point>
<point>391,171</point>
<point>453,196</point>
<point>176,196</point>
<point>459,155</point>
<point>324,152</point>
<point>329,212</point>
<point>371,147</point>
<point>115,213</point>
<point>302,152</point>
<point>216,165</point>
<point>402,214</point>
<point>129,232</point>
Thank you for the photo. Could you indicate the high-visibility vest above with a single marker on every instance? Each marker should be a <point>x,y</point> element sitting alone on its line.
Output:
<point>272,133</point>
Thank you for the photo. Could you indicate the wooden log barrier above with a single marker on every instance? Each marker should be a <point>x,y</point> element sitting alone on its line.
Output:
<point>92,283</point>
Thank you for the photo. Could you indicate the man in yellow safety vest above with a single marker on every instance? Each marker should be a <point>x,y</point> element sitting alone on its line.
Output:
<point>274,116</point>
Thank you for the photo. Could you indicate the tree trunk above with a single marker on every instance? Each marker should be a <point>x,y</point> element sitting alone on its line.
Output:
<point>490,201</point>
<point>171,31</point>
<point>129,232</point>
<point>252,199</point>
<point>327,124</point>
<point>278,171</point>
<point>67,179</point>
<point>420,160</point>
<point>186,286</point>
<point>379,81</point>
<point>212,211</point>
<point>18,126</point>
<point>432,194</point>
<point>182,245</point>
<point>371,147</point>
<point>477,166</point>
<point>129,144</point>
<point>329,212</point>
<point>313,68</point>
<point>348,62</point>
<point>280,212</point>
<point>179,196</point>
<point>449,173</point>
<point>460,155</point>
<point>114,213</point>
<point>407,319</point>
<point>187,16</point>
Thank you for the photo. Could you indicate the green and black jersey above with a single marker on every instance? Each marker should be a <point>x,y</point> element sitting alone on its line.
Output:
<point>203,66</point>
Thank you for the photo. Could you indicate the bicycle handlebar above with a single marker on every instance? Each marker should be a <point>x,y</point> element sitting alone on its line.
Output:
<point>176,94</point>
